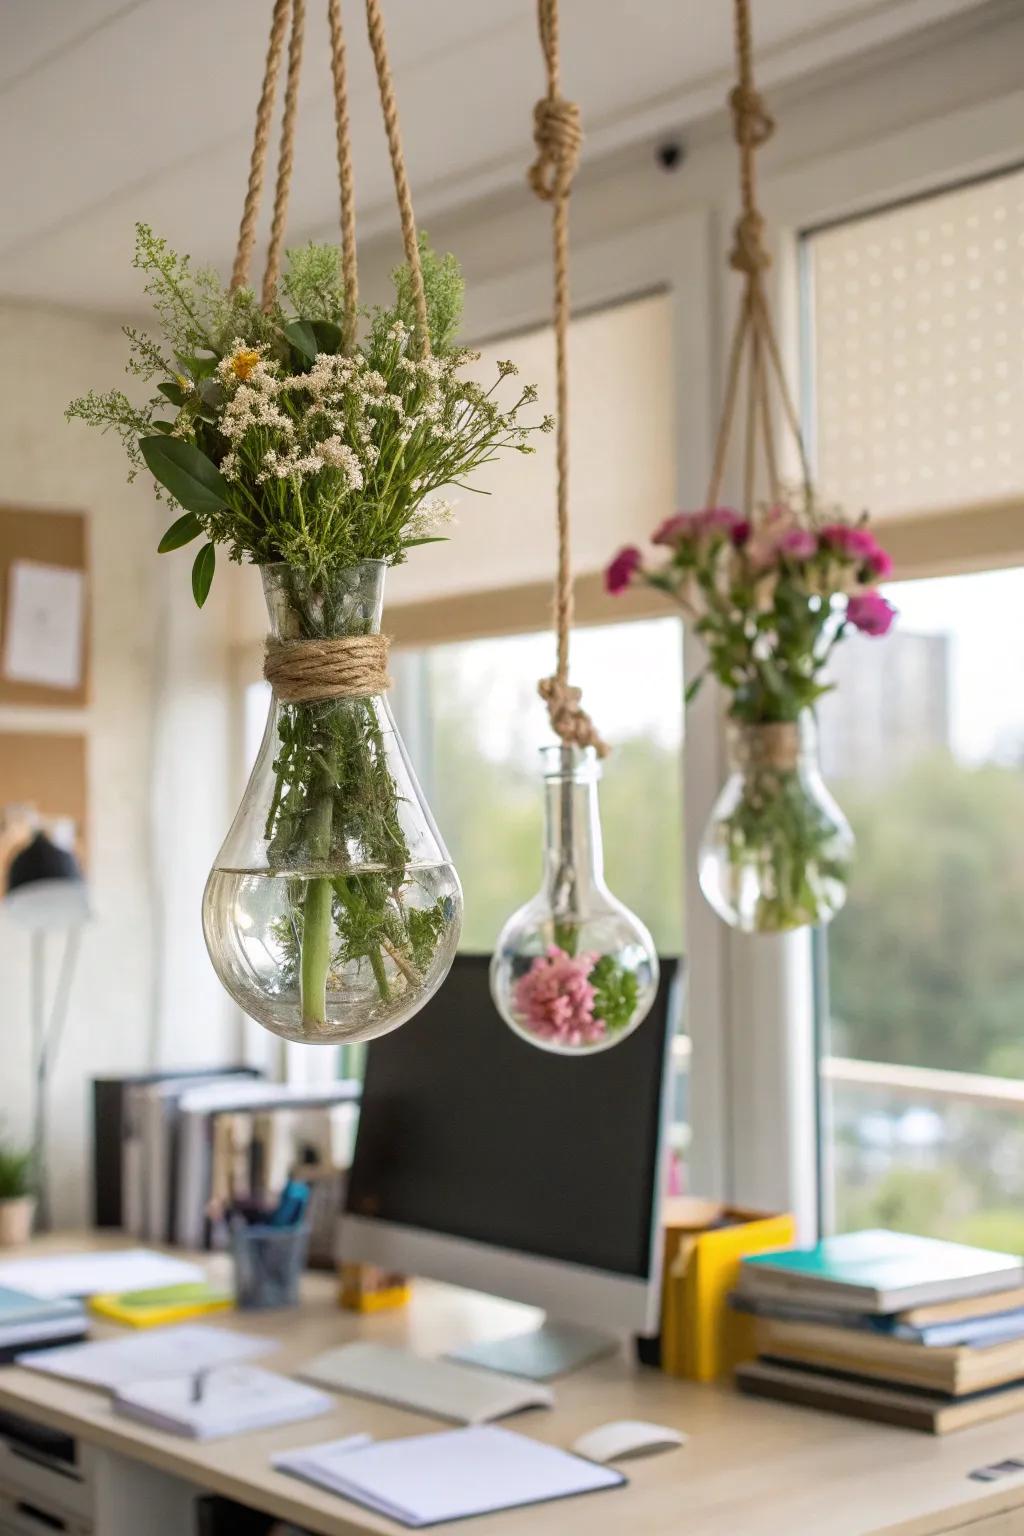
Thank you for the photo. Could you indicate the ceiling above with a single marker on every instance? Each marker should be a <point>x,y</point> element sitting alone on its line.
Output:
<point>117,110</point>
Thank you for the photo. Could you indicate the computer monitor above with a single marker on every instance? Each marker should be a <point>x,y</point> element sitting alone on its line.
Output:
<point>486,1162</point>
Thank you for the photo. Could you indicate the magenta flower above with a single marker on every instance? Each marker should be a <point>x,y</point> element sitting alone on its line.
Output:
<point>556,1001</point>
<point>870,612</point>
<point>880,563</point>
<point>681,525</point>
<point>621,571</point>
<point>798,544</point>
<point>853,543</point>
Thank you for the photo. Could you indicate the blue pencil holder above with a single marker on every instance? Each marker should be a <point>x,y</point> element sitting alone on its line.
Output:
<point>268,1264</point>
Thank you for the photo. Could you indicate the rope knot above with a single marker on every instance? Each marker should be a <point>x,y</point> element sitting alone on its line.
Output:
<point>752,123</point>
<point>748,252</point>
<point>558,135</point>
<point>569,720</point>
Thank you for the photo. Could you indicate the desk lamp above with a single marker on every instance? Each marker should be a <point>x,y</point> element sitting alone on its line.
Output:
<point>46,894</point>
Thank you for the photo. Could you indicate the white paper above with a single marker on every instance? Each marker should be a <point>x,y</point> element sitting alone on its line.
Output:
<point>45,619</point>
<point>234,1399</point>
<point>114,1363</point>
<point>425,1479</point>
<point>97,1274</point>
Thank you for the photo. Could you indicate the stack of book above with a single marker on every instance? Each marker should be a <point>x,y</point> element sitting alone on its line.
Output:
<point>904,1330</point>
<point>29,1322</point>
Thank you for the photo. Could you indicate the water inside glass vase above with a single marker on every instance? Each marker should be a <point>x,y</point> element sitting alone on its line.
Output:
<point>333,911</point>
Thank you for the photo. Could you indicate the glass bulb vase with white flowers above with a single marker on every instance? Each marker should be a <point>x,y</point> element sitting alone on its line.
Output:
<point>333,911</point>
<point>770,597</point>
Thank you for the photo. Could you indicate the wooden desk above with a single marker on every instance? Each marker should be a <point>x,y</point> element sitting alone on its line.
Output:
<point>750,1468</point>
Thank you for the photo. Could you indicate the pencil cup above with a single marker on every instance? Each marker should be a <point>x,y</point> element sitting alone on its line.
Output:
<point>268,1264</point>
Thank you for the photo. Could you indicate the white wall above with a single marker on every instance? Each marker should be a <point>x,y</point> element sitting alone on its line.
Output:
<point>148,853</point>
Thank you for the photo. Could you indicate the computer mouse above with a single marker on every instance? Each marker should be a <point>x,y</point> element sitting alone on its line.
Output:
<point>627,1437</point>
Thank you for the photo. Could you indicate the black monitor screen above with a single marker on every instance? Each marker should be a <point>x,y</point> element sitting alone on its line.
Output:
<point>467,1130</point>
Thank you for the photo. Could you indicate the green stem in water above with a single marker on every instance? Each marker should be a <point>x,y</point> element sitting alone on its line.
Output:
<point>316,921</point>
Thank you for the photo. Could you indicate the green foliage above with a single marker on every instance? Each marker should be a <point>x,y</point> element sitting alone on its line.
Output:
<point>15,1172</point>
<point>615,992</point>
<point>180,533</point>
<point>444,290</point>
<point>202,573</point>
<point>192,479</point>
<point>925,961</point>
<point>313,282</point>
<point>112,411</point>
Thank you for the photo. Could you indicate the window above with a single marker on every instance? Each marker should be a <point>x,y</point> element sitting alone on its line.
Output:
<point>918,318</point>
<point>919,396</point>
<point>473,712</point>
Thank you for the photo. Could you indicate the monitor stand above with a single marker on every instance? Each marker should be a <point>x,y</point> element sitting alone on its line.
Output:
<point>551,1350</point>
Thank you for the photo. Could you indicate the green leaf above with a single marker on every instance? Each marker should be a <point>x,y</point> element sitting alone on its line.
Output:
<point>434,538</point>
<point>198,367</point>
<point>180,533</point>
<point>694,688</point>
<point>172,392</point>
<point>327,334</point>
<point>202,573</point>
<point>192,478</point>
<point>166,427</point>
<point>302,337</point>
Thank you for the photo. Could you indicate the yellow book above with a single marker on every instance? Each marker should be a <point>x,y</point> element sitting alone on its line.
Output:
<point>702,1338</point>
<point>167,1304</point>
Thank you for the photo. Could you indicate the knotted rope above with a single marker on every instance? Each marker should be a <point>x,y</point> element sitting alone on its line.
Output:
<point>558,137</point>
<point>307,671</point>
<point>286,159</point>
<point>754,340</point>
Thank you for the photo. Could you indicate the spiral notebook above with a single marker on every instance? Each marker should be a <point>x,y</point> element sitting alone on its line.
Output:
<point>425,1480</point>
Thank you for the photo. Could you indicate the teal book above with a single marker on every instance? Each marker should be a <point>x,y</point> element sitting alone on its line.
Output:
<point>879,1271</point>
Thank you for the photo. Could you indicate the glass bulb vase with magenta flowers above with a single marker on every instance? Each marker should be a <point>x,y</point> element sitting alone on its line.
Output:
<point>770,597</point>
<point>287,439</point>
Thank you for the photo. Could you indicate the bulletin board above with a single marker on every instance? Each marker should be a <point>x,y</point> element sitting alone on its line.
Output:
<point>43,771</point>
<point>43,539</point>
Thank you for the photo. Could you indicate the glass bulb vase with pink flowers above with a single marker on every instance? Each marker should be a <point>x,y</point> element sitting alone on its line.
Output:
<point>573,969</point>
<point>770,596</point>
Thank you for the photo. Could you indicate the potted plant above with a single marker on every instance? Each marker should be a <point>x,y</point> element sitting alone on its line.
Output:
<point>17,1201</point>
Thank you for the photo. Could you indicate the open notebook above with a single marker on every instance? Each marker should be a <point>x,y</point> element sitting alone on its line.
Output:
<point>426,1479</point>
<point>231,1400</point>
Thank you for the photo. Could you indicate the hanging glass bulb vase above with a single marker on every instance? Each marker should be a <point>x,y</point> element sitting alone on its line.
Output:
<point>574,970</point>
<point>777,851</point>
<point>332,912</point>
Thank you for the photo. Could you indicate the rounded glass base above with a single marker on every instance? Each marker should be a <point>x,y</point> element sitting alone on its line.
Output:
<point>332,957</point>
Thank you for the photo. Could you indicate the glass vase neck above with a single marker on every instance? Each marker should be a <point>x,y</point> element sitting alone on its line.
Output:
<point>573,855</point>
<point>345,602</point>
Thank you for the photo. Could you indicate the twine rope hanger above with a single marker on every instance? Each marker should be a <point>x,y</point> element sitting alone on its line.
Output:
<point>343,666</point>
<point>754,341</point>
<point>558,138</point>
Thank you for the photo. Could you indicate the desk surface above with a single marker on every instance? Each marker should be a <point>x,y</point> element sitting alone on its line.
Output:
<point>750,1468</point>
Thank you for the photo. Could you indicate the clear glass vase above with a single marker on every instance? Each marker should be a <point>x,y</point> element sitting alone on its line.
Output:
<point>574,970</point>
<point>332,911</point>
<point>777,850</point>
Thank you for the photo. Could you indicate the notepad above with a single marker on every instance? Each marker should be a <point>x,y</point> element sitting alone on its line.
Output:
<point>87,1274</point>
<point>426,1479</point>
<point>234,1399</point>
<point>116,1363</point>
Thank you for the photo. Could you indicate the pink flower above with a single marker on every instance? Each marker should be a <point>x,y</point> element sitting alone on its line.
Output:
<point>869,611</point>
<point>621,571</point>
<point>853,543</point>
<point>556,1001</point>
<point>798,544</point>
<point>681,525</point>
<point>880,563</point>
<point>690,525</point>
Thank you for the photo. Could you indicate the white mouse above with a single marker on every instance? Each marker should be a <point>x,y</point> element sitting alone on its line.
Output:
<point>626,1437</point>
